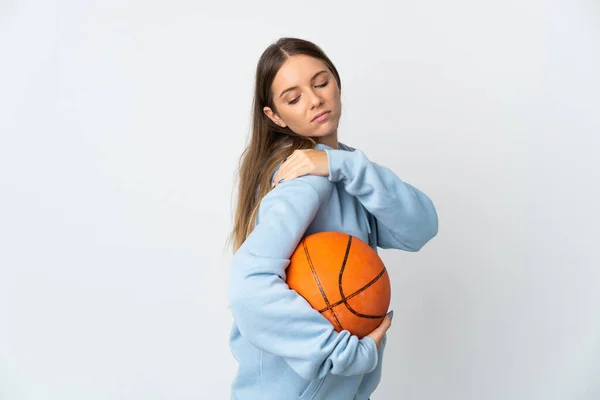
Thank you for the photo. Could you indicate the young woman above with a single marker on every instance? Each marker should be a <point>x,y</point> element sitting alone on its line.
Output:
<point>296,179</point>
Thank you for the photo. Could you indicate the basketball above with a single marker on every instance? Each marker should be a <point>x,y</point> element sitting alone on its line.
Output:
<point>343,278</point>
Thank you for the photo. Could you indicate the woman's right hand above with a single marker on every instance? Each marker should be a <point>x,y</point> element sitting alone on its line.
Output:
<point>379,332</point>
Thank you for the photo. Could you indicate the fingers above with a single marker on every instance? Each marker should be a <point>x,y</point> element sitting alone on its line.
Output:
<point>291,168</point>
<point>302,162</point>
<point>379,332</point>
<point>387,322</point>
<point>384,325</point>
<point>279,176</point>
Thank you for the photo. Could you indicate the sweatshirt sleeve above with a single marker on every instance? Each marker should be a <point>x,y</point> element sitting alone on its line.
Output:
<point>275,318</point>
<point>406,218</point>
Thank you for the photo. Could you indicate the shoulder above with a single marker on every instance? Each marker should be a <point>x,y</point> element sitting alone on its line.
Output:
<point>301,187</point>
<point>296,199</point>
<point>320,184</point>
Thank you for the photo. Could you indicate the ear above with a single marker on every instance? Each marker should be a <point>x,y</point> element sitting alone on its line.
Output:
<point>274,117</point>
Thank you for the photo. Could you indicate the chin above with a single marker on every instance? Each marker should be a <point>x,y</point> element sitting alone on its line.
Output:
<point>326,129</point>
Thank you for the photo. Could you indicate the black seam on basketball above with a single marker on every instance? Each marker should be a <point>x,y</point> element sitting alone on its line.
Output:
<point>318,282</point>
<point>342,289</point>
<point>359,291</point>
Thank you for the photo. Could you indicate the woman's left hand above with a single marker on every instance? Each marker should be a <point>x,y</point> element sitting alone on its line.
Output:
<point>302,162</point>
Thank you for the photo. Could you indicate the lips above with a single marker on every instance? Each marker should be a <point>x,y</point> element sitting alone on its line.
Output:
<point>318,115</point>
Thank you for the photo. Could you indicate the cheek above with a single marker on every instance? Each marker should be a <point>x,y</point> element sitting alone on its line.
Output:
<point>335,95</point>
<point>295,118</point>
<point>337,101</point>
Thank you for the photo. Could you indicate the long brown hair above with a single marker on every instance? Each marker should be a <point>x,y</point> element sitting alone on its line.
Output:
<point>269,143</point>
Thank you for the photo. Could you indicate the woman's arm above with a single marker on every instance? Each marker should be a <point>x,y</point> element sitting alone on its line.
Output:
<point>274,317</point>
<point>406,217</point>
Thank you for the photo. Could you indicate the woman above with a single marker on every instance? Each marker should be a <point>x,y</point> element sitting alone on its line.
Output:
<point>297,179</point>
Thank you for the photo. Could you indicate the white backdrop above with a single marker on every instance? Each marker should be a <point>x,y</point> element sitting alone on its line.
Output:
<point>121,126</point>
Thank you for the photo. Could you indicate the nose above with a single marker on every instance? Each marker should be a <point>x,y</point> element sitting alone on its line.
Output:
<point>316,100</point>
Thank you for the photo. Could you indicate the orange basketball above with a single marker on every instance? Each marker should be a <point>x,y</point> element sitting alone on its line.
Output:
<point>343,278</point>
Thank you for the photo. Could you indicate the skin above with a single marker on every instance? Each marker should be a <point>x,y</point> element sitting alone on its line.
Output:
<point>296,109</point>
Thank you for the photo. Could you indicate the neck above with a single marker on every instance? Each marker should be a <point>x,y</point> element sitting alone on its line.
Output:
<point>330,140</point>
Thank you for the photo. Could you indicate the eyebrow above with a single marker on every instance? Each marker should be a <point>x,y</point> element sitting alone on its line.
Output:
<point>295,87</point>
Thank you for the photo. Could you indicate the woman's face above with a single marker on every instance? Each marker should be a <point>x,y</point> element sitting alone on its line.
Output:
<point>304,87</point>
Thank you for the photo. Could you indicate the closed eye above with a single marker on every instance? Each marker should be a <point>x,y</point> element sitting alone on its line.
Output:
<point>317,86</point>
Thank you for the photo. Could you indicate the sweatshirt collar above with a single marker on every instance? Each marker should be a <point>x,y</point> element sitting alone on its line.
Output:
<point>321,146</point>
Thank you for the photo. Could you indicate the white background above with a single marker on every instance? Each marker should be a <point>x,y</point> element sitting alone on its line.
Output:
<point>121,125</point>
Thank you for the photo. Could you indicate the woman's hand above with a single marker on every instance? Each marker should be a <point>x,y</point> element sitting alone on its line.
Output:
<point>379,332</point>
<point>302,162</point>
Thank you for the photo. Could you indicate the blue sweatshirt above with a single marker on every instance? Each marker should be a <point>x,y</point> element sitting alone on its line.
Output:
<point>285,349</point>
